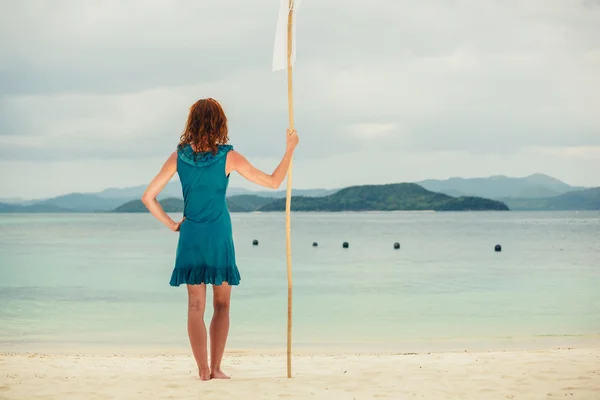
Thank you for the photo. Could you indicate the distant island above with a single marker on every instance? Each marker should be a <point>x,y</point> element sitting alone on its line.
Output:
<point>391,197</point>
<point>537,192</point>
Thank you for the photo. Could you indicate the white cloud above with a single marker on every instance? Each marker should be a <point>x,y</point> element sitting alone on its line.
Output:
<point>368,130</point>
<point>491,80</point>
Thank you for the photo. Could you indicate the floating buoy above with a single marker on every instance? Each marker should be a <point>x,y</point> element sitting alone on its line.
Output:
<point>345,245</point>
<point>498,248</point>
<point>396,245</point>
<point>315,244</point>
<point>255,242</point>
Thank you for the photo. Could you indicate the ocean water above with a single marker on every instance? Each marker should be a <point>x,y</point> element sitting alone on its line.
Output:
<point>101,280</point>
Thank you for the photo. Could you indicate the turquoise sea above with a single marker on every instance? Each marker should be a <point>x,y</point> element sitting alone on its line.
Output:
<point>101,280</point>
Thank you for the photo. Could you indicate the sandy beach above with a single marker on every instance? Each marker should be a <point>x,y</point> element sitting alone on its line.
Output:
<point>533,374</point>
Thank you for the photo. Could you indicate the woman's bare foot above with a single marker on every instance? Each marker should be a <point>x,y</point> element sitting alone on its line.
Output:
<point>218,374</point>
<point>205,375</point>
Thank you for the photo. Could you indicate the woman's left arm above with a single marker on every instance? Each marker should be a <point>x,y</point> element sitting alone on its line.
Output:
<point>155,187</point>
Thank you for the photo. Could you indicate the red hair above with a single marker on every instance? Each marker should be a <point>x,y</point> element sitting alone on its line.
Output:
<point>206,127</point>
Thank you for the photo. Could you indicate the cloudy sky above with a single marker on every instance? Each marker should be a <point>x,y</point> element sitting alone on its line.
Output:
<point>94,94</point>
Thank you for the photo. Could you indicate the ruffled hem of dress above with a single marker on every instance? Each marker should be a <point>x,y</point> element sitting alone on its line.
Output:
<point>206,275</point>
<point>202,159</point>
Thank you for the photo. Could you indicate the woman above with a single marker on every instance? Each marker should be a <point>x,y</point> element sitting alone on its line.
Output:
<point>205,251</point>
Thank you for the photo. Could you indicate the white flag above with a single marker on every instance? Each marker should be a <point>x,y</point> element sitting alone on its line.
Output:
<point>280,50</point>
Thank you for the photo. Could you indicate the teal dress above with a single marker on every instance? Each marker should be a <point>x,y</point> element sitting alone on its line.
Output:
<point>205,251</point>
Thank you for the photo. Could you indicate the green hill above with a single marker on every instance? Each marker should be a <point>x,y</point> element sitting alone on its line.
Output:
<point>392,197</point>
<point>581,200</point>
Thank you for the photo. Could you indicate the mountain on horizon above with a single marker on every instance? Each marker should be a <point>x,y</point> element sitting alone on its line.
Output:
<point>110,198</point>
<point>173,189</point>
<point>81,202</point>
<point>501,186</point>
<point>12,200</point>
<point>497,187</point>
<point>19,208</point>
<point>579,200</point>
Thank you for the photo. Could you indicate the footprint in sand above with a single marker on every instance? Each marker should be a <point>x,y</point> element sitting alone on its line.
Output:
<point>173,386</point>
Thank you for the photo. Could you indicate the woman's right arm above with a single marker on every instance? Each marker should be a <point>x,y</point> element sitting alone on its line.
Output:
<point>157,184</point>
<point>237,162</point>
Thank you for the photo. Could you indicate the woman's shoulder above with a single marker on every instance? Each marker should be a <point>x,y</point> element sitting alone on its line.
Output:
<point>225,148</point>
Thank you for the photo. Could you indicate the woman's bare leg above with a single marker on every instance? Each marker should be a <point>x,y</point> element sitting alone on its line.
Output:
<point>197,329</point>
<point>219,328</point>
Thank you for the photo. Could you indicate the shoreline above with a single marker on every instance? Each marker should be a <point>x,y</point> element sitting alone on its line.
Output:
<point>278,353</point>
<point>418,347</point>
<point>592,342</point>
<point>571,373</point>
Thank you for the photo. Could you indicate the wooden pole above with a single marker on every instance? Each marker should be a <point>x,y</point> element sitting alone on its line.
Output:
<point>288,198</point>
